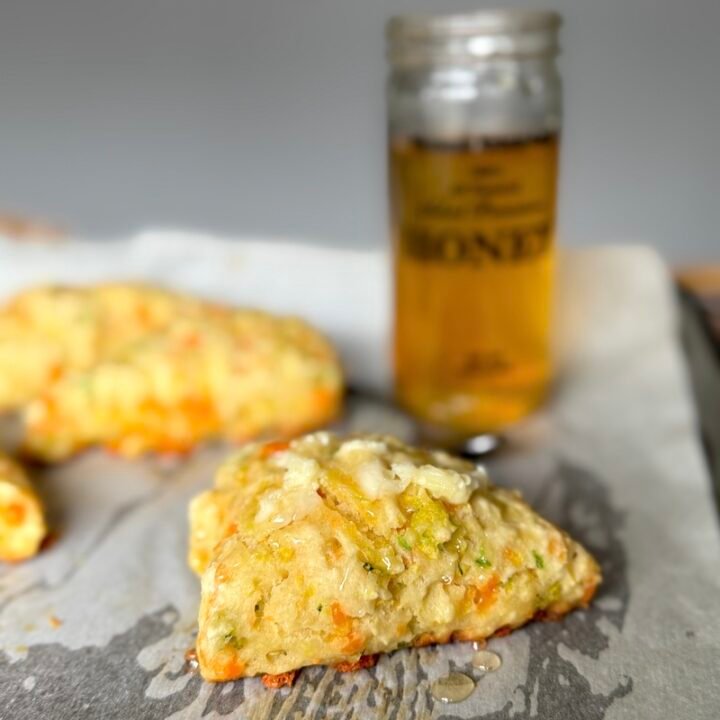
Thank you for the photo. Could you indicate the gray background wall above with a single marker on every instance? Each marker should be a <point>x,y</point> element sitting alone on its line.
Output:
<point>267,117</point>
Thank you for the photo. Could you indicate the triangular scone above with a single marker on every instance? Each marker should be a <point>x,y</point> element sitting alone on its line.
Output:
<point>327,550</point>
<point>22,520</point>
<point>139,369</point>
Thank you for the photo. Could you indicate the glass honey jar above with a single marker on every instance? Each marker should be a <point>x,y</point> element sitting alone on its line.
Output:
<point>474,109</point>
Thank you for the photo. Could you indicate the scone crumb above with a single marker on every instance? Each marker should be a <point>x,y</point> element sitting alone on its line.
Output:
<point>365,661</point>
<point>285,679</point>
<point>503,631</point>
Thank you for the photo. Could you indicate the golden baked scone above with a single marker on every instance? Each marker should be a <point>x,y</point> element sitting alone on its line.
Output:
<point>137,369</point>
<point>47,332</point>
<point>327,550</point>
<point>235,377</point>
<point>22,520</point>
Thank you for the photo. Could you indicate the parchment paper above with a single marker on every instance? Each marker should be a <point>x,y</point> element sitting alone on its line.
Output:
<point>98,624</point>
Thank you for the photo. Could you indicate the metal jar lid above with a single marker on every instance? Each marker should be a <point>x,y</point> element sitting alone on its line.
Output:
<point>415,40</point>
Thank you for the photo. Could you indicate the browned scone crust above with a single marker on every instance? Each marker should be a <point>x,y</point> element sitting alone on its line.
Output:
<point>554,614</point>
<point>285,679</point>
<point>365,662</point>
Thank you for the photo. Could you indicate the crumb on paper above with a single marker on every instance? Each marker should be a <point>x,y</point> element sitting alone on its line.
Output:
<point>49,540</point>
<point>366,661</point>
<point>285,679</point>
<point>54,621</point>
<point>21,228</point>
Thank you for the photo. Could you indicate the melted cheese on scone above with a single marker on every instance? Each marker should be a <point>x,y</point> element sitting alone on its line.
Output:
<point>141,369</point>
<point>22,522</point>
<point>323,550</point>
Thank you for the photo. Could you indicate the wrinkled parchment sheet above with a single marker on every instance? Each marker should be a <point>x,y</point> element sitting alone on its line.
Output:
<point>97,626</point>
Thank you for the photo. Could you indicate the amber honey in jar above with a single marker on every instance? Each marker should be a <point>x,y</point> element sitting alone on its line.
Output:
<point>474,117</point>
